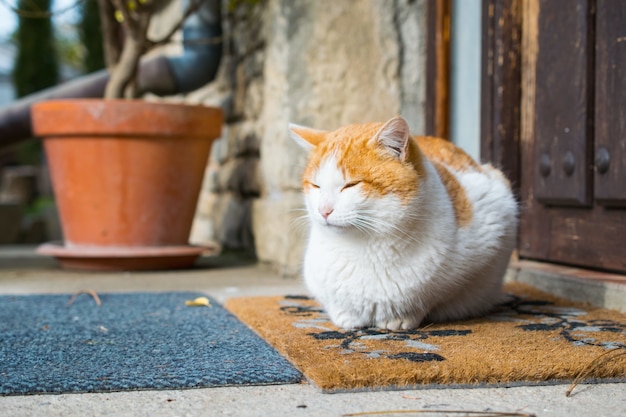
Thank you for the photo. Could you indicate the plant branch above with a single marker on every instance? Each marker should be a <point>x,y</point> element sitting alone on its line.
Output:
<point>112,49</point>
<point>166,38</point>
<point>123,75</point>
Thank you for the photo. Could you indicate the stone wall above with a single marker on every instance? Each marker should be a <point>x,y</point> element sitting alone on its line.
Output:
<point>232,181</point>
<point>320,63</point>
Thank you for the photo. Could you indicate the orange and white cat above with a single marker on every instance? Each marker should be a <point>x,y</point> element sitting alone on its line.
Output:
<point>403,229</point>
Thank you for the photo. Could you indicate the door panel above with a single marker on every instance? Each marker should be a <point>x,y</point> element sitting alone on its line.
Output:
<point>610,116</point>
<point>563,106</point>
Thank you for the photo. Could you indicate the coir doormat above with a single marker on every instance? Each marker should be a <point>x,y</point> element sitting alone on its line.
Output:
<point>132,341</point>
<point>533,338</point>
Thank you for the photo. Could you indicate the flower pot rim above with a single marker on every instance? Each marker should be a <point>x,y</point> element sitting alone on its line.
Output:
<point>119,117</point>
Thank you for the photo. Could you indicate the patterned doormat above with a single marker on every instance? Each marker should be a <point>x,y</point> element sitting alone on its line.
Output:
<point>134,341</point>
<point>534,338</point>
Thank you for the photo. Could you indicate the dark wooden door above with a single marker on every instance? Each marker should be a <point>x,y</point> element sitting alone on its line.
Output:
<point>573,133</point>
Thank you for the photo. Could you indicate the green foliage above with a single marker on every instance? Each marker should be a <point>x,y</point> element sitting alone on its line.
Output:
<point>39,206</point>
<point>91,36</point>
<point>70,51</point>
<point>36,65</point>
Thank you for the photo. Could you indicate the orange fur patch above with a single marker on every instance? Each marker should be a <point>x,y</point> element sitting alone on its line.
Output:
<point>379,172</point>
<point>463,210</point>
<point>445,152</point>
<point>313,136</point>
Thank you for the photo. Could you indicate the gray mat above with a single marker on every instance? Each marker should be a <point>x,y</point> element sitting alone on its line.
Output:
<point>134,341</point>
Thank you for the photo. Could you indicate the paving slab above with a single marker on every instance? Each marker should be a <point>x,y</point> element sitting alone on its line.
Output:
<point>605,400</point>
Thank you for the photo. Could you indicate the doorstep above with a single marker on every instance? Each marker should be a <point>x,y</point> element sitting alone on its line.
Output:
<point>600,289</point>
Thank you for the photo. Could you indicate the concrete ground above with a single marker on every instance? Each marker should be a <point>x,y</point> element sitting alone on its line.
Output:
<point>23,273</point>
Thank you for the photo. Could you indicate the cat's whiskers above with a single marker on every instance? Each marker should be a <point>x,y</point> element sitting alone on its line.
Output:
<point>363,228</point>
<point>300,224</point>
<point>408,218</point>
<point>300,221</point>
<point>375,226</point>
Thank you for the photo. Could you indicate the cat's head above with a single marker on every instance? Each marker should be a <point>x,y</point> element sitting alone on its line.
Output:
<point>361,176</point>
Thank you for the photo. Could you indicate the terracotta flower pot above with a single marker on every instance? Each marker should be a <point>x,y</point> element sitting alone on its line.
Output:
<point>126,177</point>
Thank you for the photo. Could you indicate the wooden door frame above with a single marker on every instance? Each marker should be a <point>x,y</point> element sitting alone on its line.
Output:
<point>501,82</point>
<point>437,112</point>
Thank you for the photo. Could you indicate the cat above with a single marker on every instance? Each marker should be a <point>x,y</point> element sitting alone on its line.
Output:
<point>404,229</point>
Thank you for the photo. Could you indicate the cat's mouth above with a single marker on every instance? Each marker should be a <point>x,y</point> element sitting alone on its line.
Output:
<point>333,225</point>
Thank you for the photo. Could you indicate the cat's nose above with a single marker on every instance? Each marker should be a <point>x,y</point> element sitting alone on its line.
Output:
<point>325,212</point>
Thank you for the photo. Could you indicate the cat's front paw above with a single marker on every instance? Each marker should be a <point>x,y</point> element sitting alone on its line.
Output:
<point>348,321</point>
<point>406,323</point>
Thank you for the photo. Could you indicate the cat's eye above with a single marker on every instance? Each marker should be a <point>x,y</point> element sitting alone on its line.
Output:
<point>350,184</point>
<point>312,184</point>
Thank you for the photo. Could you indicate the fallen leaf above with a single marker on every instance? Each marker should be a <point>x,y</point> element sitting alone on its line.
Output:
<point>198,302</point>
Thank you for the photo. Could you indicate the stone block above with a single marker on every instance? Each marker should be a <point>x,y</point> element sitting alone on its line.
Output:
<point>223,218</point>
<point>239,176</point>
<point>280,232</point>
<point>10,222</point>
<point>19,184</point>
<point>248,25</point>
<point>253,104</point>
<point>251,183</point>
<point>219,148</point>
<point>239,92</point>
<point>202,232</point>
<point>411,18</point>
<point>243,139</point>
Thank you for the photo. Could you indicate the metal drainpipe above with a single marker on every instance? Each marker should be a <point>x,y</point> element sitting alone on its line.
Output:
<point>161,75</point>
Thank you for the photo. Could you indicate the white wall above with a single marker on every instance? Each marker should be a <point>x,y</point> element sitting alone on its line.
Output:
<point>465,75</point>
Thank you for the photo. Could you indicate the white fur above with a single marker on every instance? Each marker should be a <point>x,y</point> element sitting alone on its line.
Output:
<point>379,262</point>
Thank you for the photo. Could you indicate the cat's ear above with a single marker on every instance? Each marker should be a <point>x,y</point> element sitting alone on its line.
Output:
<point>394,136</point>
<point>306,137</point>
